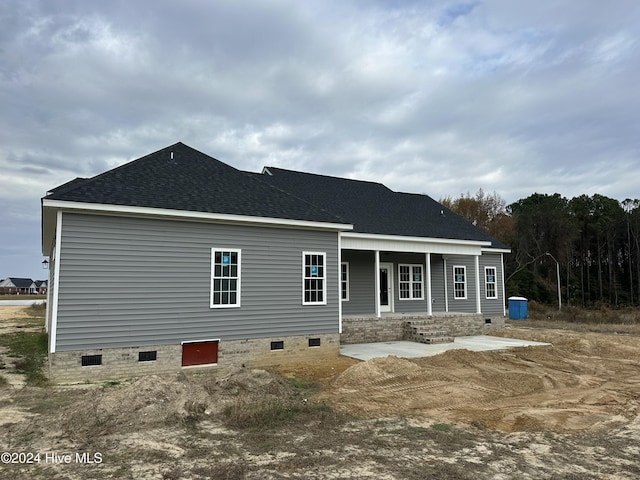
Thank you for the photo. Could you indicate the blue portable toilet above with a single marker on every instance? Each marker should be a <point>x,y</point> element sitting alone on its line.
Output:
<point>517,308</point>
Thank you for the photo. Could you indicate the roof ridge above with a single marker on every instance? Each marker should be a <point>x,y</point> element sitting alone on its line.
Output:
<point>257,177</point>
<point>161,180</point>
<point>111,170</point>
<point>335,177</point>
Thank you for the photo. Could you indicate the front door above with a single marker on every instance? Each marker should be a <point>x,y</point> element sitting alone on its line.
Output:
<point>386,287</point>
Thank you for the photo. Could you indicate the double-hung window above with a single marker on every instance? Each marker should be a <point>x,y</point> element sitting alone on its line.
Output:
<point>460,282</point>
<point>410,280</point>
<point>344,281</point>
<point>490,282</point>
<point>314,284</point>
<point>225,277</point>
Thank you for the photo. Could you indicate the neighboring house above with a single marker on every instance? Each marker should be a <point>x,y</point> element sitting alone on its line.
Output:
<point>41,286</point>
<point>17,286</point>
<point>177,260</point>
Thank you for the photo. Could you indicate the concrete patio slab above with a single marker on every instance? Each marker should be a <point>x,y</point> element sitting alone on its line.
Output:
<point>402,349</point>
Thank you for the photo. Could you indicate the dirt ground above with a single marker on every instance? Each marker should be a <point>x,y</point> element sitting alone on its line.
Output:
<point>571,410</point>
<point>585,382</point>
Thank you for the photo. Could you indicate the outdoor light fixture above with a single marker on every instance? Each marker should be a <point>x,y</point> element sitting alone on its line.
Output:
<point>45,264</point>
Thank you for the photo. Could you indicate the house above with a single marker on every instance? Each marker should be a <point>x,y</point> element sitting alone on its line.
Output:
<point>177,260</point>
<point>41,286</point>
<point>17,286</point>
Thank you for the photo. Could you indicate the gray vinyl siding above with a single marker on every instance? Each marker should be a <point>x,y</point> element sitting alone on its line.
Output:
<point>135,281</point>
<point>361,282</point>
<point>494,306</point>
<point>437,284</point>
<point>458,305</point>
<point>406,306</point>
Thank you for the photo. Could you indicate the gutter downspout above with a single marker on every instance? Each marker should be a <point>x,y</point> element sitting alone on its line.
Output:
<point>56,276</point>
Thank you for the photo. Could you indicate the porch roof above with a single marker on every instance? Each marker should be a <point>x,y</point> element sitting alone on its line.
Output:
<point>398,243</point>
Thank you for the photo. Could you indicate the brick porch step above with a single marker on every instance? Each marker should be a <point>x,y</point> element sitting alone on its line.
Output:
<point>434,340</point>
<point>422,331</point>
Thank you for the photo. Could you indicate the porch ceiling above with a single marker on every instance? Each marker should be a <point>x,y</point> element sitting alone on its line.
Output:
<point>393,243</point>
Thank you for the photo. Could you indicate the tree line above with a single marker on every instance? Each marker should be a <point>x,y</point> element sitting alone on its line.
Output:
<point>594,241</point>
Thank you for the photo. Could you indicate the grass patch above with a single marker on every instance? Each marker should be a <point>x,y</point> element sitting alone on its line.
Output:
<point>48,401</point>
<point>243,414</point>
<point>37,310</point>
<point>31,348</point>
<point>299,383</point>
<point>441,427</point>
<point>603,314</point>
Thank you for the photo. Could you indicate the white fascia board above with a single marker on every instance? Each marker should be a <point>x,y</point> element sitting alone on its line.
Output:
<point>397,243</point>
<point>189,215</point>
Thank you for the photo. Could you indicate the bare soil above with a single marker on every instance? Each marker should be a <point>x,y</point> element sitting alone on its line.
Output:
<point>567,411</point>
<point>585,382</point>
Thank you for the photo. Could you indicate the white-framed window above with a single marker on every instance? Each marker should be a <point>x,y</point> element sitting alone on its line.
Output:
<point>314,284</point>
<point>225,277</point>
<point>344,281</point>
<point>410,280</point>
<point>459,282</point>
<point>490,282</point>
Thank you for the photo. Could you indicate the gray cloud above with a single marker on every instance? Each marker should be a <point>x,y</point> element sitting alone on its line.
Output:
<point>433,97</point>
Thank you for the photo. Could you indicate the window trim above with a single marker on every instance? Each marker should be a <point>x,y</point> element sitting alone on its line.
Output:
<point>345,282</point>
<point>323,278</point>
<point>238,251</point>
<point>411,281</point>
<point>494,283</point>
<point>464,282</point>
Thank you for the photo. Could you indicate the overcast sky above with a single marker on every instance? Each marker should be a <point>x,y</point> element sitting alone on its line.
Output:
<point>435,97</point>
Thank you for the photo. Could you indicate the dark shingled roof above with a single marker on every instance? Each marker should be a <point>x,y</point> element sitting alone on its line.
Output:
<point>190,181</point>
<point>373,208</point>
<point>21,282</point>
<point>181,178</point>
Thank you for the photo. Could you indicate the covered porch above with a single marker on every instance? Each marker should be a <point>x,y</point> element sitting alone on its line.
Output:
<point>382,275</point>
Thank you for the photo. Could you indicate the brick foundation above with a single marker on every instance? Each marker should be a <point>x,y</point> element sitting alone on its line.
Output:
<point>120,363</point>
<point>391,328</point>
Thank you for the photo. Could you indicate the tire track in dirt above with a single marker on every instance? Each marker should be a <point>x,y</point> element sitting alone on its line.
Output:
<point>583,382</point>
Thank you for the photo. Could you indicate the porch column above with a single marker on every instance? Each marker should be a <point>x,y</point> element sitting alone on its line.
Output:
<point>377,287</point>
<point>476,259</point>
<point>339,282</point>
<point>377,277</point>
<point>427,259</point>
<point>446,289</point>
<point>504,302</point>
